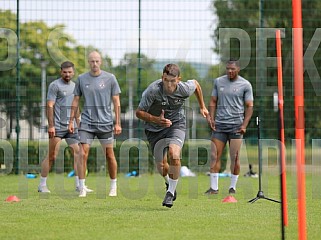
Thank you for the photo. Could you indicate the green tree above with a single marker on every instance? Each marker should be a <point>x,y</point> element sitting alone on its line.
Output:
<point>127,75</point>
<point>245,15</point>
<point>207,84</point>
<point>39,44</point>
<point>7,73</point>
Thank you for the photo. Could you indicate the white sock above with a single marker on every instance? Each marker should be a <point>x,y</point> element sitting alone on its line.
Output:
<point>166,178</point>
<point>214,181</point>
<point>172,185</point>
<point>43,181</point>
<point>77,181</point>
<point>234,181</point>
<point>113,183</point>
<point>81,183</point>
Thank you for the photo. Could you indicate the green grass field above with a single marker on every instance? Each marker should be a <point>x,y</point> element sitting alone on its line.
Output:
<point>137,213</point>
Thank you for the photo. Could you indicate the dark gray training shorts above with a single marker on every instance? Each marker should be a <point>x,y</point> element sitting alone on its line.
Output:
<point>104,138</point>
<point>159,141</point>
<point>225,136</point>
<point>71,138</point>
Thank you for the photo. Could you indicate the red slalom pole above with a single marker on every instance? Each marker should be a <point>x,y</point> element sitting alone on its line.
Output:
<point>281,126</point>
<point>297,37</point>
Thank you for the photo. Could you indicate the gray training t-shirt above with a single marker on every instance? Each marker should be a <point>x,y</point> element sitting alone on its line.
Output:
<point>231,98</point>
<point>61,93</point>
<point>154,100</point>
<point>97,92</point>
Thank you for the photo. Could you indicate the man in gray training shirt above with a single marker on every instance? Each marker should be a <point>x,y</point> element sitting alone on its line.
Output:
<point>231,108</point>
<point>161,107</point>
<point>59,98</point>
<point>100,89</point>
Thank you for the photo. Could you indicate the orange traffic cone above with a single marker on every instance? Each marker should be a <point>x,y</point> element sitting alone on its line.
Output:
<point>229,199</point>
<point>12,199</point>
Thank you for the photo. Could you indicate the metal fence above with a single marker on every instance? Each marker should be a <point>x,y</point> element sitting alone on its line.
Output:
<point>137,38</point>
<point>52,31</point>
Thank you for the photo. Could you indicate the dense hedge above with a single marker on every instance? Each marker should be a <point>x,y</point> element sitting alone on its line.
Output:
<point>195,155</point>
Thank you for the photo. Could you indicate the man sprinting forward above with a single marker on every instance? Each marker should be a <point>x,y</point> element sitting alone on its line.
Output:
<point>161,108</point>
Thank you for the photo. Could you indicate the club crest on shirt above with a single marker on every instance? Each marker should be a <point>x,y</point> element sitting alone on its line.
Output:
<point>101,85</point>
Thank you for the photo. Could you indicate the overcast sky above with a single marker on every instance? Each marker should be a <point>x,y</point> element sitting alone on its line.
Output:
<point>170,29</point>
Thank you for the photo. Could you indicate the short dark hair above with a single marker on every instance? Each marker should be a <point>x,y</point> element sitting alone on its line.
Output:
<point>66,64</point>
<point>233,61</point>
<point>172,70</point>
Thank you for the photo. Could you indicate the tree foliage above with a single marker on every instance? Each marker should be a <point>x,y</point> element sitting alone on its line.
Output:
<point>44,47</point>
<point>249,16</point>
<point>130,81</point>
<point>39,45</point>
